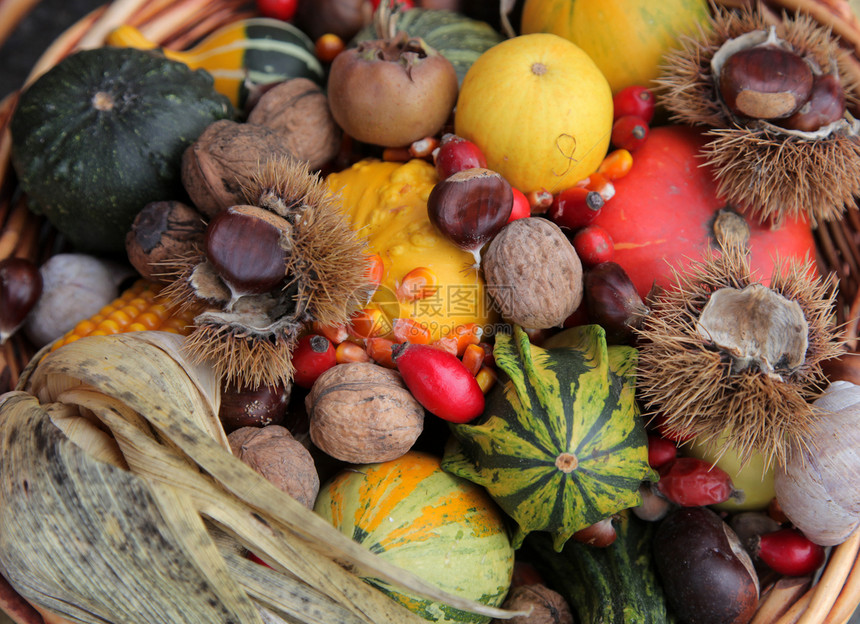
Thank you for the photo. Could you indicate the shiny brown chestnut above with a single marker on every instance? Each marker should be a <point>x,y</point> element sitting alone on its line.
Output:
<point>244,244</point>
<point>470,207</point>
<point>20,289</point>
<point>248,407</point>
<point>613,302</point>
<point>826,104</point>
<point>765,82</point>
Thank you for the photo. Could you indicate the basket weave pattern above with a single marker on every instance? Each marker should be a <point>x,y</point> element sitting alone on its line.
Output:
<point>177,23</point>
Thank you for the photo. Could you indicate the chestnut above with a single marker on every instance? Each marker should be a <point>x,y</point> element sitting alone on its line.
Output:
<point>765,82</point>
<point>825,105</point>
<point>243,406</point>
<point>20,289</point>
<point>469,207</point>
<point>244,244</point>
<point>613,302</point>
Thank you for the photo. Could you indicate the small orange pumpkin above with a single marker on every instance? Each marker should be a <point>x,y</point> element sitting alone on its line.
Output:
<point>539,109</point>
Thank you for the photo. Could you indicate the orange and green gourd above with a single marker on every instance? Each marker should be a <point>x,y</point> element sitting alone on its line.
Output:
<point>417,516</point>
<point>560,445</point>
<point>425,279</point>
<point>248,52</point>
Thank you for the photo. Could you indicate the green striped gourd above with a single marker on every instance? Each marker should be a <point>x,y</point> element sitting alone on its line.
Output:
<point>248,52</point>
<point>458,38</point>
<point>443,528</point>
<point>560,444</point>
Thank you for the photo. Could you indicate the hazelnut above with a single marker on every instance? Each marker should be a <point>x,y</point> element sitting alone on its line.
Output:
<point>362,413</point>
<point>162,232</point>
<point>533,274</point>
<point>298,110</point>
<point>470,206</point>
<point>223,161</point>
<point>765,82</point>
<point>276,455</point>
<point>247,247</point>
<point>545,605</point>
<point>20,289</point>
<point>825,105</point>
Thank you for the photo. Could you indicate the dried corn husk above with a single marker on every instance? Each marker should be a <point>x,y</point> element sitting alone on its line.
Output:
<point>94,542</point>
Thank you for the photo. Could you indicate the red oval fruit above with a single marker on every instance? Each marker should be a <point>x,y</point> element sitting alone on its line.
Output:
<point>313,356</point>
<point>663,210</point>
<point>629,132</point>
<point>789,552</point>
<point>457,154</point>
<point>593,245</point>
<point>521,208</point>
<point>660,451</point>
<point>634,100</point>
<point>439,381</point>
<point>691,482</point>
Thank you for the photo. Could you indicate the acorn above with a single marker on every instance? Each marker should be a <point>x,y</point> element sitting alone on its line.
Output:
<point>728,361</point>
<point>285,258</point>
<point>776,99</point>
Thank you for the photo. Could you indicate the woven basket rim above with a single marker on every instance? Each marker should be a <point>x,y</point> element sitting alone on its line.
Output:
<point>834,595</point>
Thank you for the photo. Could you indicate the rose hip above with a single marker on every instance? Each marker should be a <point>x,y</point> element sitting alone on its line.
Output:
<point>313,356</point>
<point>593,245</point>
<point>692,482</point>
<point>576,207</point>
<point>457,154</point>
<point>439,381</point>
<point>789,552</point>
<point>629,132</point>
<point>521,208</point>
<point>660,451</point>
<point>634,100</point>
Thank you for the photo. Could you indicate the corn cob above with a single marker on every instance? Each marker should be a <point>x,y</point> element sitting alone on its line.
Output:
<point>137,309</point>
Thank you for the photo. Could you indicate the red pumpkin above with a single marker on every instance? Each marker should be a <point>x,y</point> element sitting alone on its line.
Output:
<point>663,211</point>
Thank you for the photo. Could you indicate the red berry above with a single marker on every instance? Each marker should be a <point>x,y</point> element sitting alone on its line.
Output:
<point>439,381</point>
<point>576,207</point>
<point>521,207</point>
<point>692,482</point>
<point>457,154</point>
<point>629,132</point>
<point>660,451</point>
<point>313,356</point>
<point>634,100</point>
<point>328,46</point>
<point>278,9</point>
<point>789,552</point>
<point>593,245</point>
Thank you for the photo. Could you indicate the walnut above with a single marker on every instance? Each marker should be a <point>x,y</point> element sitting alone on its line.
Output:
<point>275,454</point>
<point>160,233</point>
<point>298,109</point>
<point>221,163</point>
<point>533,274</point>
<point>547,606</point>
<point>362,413</point>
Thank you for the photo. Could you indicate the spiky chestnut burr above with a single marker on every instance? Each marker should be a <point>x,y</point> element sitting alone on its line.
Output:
<point>722,352</point>
<point>772,168</point>
<point>267,269</point>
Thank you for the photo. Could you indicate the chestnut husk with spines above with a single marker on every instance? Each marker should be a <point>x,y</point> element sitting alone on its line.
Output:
<point>770,171</point>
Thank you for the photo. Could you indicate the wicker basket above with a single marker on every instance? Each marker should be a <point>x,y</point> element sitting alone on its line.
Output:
<point>831,598</point>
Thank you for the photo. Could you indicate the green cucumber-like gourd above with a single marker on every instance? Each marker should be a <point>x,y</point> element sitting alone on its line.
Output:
<point>423,519</point>
<point>560,444</point>
<point>458,38</point>
<point>101,135</point>
<point>613,585</point>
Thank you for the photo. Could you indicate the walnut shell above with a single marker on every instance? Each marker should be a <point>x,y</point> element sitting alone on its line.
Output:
<point>362,413</point>
<point>298,109</point>
<point>161,233</point>
<point>547,606</point>
<point>275,454</point>
<point>533,274</point>
<point>222,162</point>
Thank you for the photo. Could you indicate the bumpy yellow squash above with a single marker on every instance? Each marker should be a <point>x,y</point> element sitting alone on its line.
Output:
<point>625,38</point>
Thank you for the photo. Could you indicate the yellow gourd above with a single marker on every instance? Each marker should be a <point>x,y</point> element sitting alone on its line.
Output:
<point>253,51</point>
<point>387,201</point>
<point>625,38</point>
<point>539,109</point>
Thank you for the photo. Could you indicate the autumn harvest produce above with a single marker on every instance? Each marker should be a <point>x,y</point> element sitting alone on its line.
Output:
<point>540,312</point>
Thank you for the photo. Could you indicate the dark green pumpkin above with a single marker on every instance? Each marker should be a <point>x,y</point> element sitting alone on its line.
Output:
<point>102,134</point>
<point>458,38</point>
<point>561,444</point>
